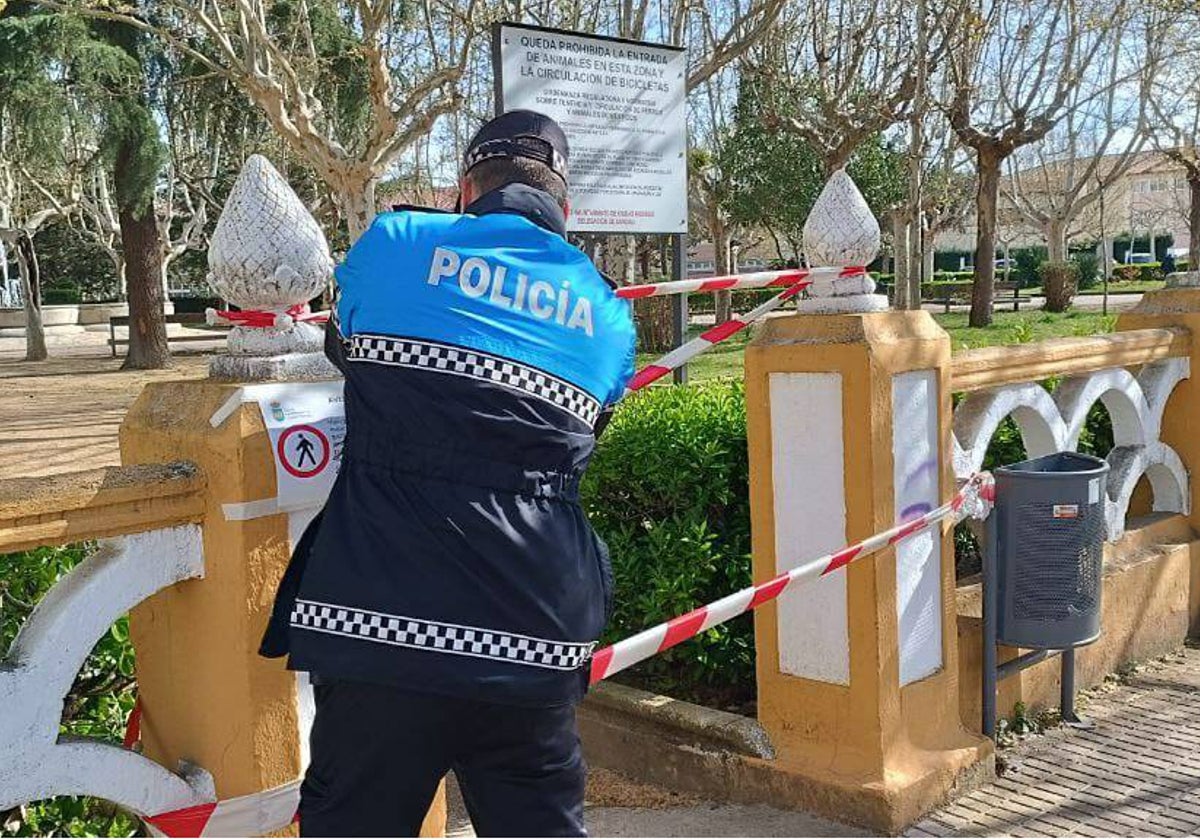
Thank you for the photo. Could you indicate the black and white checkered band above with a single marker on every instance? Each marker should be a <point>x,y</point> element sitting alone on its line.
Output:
<point>439,637</point>
<point>446,358</point>
<point>534,148</point>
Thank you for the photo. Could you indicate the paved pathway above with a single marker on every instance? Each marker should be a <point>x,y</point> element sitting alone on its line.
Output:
<point>63,414</point>
<point>618,807</point>
<point>1135,774</point>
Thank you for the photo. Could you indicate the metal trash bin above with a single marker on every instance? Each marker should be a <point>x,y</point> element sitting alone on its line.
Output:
<point>1049,551</point>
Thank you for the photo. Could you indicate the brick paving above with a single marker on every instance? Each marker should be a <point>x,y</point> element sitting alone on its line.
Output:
<point>1136,773</point>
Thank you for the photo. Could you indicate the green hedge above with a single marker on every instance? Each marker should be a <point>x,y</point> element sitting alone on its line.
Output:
<point>55,295</point>
<point>668,490</point>
<point>743,300</point>
<point>1142,272</point>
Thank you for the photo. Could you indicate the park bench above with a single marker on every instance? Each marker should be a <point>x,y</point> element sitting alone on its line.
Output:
<point>192,319</point>
<point>951,293</point>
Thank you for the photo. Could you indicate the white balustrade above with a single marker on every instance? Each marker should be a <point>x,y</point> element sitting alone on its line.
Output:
<point>1052,421</point>
<point>45,658</point>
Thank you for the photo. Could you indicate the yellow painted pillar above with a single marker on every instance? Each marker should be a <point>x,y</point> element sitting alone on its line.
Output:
<point>1178,306</point>
<point>207,696</point>
<point>849,432</point>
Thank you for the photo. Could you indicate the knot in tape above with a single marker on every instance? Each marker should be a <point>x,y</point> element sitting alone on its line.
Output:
<point>976,498</point>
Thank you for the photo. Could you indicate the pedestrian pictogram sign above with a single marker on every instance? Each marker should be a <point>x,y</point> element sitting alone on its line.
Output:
<point>303,450</point>
<point>307,425</point>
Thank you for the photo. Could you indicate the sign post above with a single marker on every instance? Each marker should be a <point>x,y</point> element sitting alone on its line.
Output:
<point>623,106</point>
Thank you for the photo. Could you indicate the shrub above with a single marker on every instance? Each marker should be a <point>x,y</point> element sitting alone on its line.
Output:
<point>1142,272</point>
<point>668,490</point>
<point>743,300</point>
<point>190,303</point>
<point>1026,262</point>
<point>1151,272</point>
<point>61,294</point>
<point>1125,273</point>
<point>653,320</point>
<point>1059,284</point>
<point>1089,268</point>
<point>951,260</point>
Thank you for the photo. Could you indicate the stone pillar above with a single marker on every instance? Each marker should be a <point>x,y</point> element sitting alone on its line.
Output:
<point>208,698</point>
<point>1178,306</point>
<point>848,419</point>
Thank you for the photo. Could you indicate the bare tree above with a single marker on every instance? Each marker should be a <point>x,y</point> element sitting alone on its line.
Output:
<point>1090,149</point>
<point>936,200</point>
<point>717,34</point>
<point>1174,99</point>
<point>408,60</point>
<point>850,67</point>
<point>38,186</point>
<point>1013,68</point>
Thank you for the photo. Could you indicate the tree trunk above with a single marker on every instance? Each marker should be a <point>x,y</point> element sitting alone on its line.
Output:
<point>1056,240</point>
<point>141,254</point>
<point>930,265</point>
<point>984,289</point>
<point>355,199</point>
<point>31,283</point>
<point>1194,221</point>
<point>916,263</point>
<point>148,348</point>
<point>629,265</point>
<point>6,292</point>
<point>723,300</point>
<point>901,287</point>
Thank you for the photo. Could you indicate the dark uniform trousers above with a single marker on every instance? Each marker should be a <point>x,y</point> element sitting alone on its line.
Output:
<point>379,753</point>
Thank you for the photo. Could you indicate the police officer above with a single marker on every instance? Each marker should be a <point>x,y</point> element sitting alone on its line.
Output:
<point>449,597</point>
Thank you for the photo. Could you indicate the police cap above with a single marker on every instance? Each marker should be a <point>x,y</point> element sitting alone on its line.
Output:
<point>520,133</point>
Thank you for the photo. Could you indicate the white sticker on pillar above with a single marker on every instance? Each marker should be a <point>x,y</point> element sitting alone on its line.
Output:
<point>306,713</point>
<point>808,473</point>
<point>307,424</point>
<point>918,557</point>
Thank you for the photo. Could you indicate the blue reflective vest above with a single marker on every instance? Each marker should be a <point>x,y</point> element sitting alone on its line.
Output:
<point>452,556</point>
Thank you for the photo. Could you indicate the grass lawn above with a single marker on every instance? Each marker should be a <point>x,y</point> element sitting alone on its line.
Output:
<point>1022,327</point>
<point>1114,288</point>
<point>1125,288</point>
<point>725,360</point>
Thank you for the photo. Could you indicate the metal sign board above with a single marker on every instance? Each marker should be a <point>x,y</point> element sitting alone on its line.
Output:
<point>622,105</point>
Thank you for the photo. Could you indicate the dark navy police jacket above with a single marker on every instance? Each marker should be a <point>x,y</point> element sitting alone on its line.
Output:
<point>452,555</point>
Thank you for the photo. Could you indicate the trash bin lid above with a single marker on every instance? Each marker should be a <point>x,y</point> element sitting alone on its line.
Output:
<point>1058,465</point>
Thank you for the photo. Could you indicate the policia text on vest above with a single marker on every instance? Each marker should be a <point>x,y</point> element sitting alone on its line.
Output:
<point>477,277</point>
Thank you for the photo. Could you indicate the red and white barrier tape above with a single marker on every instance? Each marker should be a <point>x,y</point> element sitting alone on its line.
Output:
<point>689,350</point>
<point>133,726</point>
<point>753,280</point>
<point>258,814</point>
<point>253,815</point>
<point>263,318</point>
<point>974,500</point>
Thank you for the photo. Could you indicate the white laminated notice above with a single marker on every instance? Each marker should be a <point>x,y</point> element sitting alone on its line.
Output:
<point>1093,491</point>
<point>622,105</point>
<point>307,425</point>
